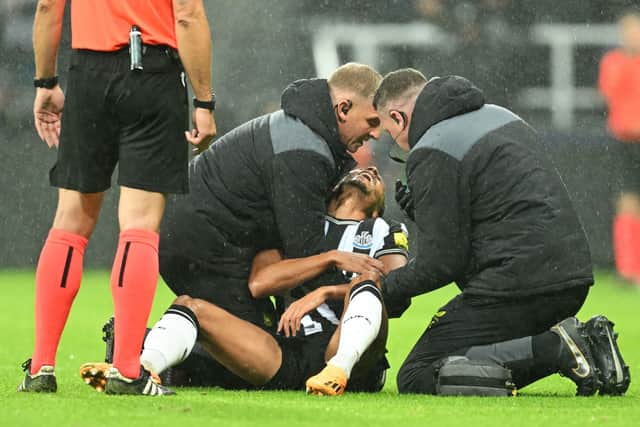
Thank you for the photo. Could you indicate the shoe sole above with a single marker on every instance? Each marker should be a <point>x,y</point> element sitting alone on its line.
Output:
<point>116,386</point>
<point>95,375</point>
<point>314,391</point>
<point>326,388</point>
<point>604,340</point>
<point>38,387</point>
<point>151,389</point>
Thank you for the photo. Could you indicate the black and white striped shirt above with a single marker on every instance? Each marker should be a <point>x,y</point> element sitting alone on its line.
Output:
<point>373,237</point>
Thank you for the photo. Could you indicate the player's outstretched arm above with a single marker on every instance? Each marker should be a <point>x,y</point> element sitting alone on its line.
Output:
<point>273,275</point>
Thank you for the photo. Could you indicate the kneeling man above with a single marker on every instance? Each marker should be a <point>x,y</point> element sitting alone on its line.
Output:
<point>493,216</point>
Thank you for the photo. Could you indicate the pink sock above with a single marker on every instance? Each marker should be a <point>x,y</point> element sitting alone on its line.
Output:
<point>626,245</point>
<point>58,279</point>
<point>133,284</point>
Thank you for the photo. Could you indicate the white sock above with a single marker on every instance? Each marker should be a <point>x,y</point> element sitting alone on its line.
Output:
<point>171,339</point>
<point>360,326</point>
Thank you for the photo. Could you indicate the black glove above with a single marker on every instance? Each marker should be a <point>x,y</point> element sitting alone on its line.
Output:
<point>405,199</point>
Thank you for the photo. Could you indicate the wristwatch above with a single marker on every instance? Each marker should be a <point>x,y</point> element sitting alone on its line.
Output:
<point>209,105</point>
<point>48,83</point>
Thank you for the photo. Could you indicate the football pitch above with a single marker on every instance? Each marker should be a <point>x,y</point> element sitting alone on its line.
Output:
<point>550,402</point>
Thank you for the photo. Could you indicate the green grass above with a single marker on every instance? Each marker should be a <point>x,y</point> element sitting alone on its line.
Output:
<point>549,402</point>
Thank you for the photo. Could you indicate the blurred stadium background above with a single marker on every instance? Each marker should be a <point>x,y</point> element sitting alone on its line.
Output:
<point>539,58</point>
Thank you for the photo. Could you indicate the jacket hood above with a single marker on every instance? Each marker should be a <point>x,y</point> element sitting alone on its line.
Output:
<point>441,99</point>
<point>309,101</point>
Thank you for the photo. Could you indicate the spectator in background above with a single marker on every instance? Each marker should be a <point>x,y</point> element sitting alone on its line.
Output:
<point>488,34</point>
<point>619,83</point>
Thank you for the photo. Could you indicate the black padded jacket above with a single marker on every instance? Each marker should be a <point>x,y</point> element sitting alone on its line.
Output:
<point>492,213</point>
<point>265,183</point>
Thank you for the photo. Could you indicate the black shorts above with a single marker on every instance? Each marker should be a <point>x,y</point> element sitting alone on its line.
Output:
<point>135,119</point>
<point>304,356</point>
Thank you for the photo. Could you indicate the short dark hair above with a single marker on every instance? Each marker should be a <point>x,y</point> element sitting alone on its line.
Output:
<point>397,83</point>
<point>377,205</point>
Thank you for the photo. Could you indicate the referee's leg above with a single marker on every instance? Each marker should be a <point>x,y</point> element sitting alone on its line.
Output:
<point>59,270</point>
<point>135,274</point>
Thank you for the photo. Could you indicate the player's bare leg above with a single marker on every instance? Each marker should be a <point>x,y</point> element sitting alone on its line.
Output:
<point>243,348</point>
<point>240,346</point>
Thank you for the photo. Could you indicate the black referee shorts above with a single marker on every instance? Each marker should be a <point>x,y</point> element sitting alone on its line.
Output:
<point>135,119</point>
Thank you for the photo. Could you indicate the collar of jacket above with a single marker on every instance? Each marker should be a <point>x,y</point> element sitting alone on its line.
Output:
<point>441,99</point>
<point>309,101</point>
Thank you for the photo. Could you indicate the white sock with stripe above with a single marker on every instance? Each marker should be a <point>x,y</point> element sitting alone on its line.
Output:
<point>171,339</point>
<point>360,325</point>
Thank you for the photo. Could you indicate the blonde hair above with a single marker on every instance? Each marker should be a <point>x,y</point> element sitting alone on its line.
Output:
<point>360,79</point>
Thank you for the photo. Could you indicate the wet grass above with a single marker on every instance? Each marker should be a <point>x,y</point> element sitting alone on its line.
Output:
<point>549,402</point>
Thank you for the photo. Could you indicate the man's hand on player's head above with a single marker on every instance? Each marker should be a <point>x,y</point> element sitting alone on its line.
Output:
<point>292,317</point>
<point>47,113</point>
<point>204,129</point>
<point>355,263</point>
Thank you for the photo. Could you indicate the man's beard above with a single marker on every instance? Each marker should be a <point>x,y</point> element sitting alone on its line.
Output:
<point>356,183</point>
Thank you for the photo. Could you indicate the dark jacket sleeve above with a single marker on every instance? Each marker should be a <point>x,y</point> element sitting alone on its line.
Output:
<point>442,219</point>
<point>301,183</point>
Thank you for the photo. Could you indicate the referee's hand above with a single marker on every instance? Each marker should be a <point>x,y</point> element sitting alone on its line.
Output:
<point>204,129</point>
<point>47,112</point>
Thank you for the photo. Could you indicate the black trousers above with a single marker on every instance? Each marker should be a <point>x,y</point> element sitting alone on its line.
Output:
<point>469,324</point>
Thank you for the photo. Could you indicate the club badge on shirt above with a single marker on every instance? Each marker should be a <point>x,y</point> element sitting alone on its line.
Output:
<point>362,241</point>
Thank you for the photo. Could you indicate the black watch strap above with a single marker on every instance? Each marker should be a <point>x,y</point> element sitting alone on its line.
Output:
<point>209,105</point>
<point>48,83</point>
